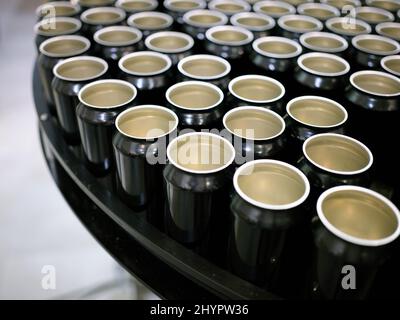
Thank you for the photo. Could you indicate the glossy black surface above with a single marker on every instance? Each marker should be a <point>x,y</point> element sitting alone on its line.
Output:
<point>362,60</point>
<point>138,246</point>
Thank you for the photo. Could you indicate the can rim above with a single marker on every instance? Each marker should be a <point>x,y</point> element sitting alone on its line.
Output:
<point>370,2</point>
<point>355,3</point>
<point>212,135</point>
<point>168,4</point>
<point>270,22</point>
<point>258,5</point>
<point>160,34</point>
<point>304,6</point>
<point>333,102</point>
<point>199,83</point>
<point>144,53</point>
<point>382,25</point>
<point>60,38</point>
<point>120,12</point>
<point>76,22</point>
<point>69,4</point>
<point>152,4</point>
<point>352,239</point>
<point>305,36</point>
<point>381,11</point>
<point>261,109</point>
<point>388,58</point>
<point>88,58</point>
<point>262,205</point>
<point>355,44</point>
<point>137,32</point>
<point>211,38</point>
<point>122,82</point>
<point>214,3</point>
<point>204,56</point>
<point>281,23</point>
<point>257,42</point>
<point>373,72</point>
<point>146,106</point>
<point>258,77</point>
<point>300,62</point>
<point>186,18</point>
<point>145,14</point>
<point>329,24</point>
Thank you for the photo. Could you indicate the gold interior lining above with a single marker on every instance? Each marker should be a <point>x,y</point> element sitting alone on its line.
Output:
<point>229,36</point>
<point>323,64</point>
<point>393,32</point>
<point>256,89</point>
<point>102,17</point>
<point>66,47</point>
<point>204,67</point>
<point>97,3</point>
<point>376,45</point>
<point>146,123</point>
<point>348,27</point>
<point>59,11</point>
<point>377,84</point>
<point>264,125</point>
<point>229,7</point>
<point>393,64</point>
<point>387,5</point>
<point>135,5</point>
<point>373,17</point>
<point>145,64</point>
<point>359,215</point>
<point>337,153</point>
<point>272,184</point>
<point>324,42</point>
<point>300,24</point>
<point>205,18</point>
<point>150,22</point>
<point>340,3</point>
<point>194,96</point>
<point>184,4</point>
<point>277,47</point>
<point>81,69</point>
<point>169,42</point>
<point>319,13</point>
<point>105,95</point>
<point>59,27</point>
<point>317,113</point>
<point>118,36</point>
<point>274,9</point>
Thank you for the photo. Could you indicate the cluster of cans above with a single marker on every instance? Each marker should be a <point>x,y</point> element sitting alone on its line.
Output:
<point>259,133</point>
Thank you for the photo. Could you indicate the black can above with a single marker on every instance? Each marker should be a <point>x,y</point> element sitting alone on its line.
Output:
<point>294,25</point>
<point>347,28</point>
<point>373,15</point>
<point>273,8</point>
<point>70,75</point>
<point>310,115</point>
<point>55,9</point>
<point>97,18</point>
<point>389,29</point>
<point>256,133</point>
<point>177,45</point>
<point>354,234</point>
<point>198,104</point>
<point>368,50</point>
<point>229,7</point>
<point>268,216</point>
<point>205,67</point>
<point>232,43</point>
<point>198,181</point>
<point>197,22</point>
<point>53,51</point>
<point>320,73</point>
<point>259,24</point>
<point>325,42</point>
<point>276,57</point>
<point>177,8</point>
<point>135,6</point>
<point>331,160</point>
<point>391,64</point>
<point>140,146</point>
<point>150,22</point>
<point>112,43</point>
<point>320,11</point>
<point>389,5</point>
<point>150,72</point>
<point>374,97</point>
<point>88,4</point>
<point>53,27</point>
<point>100,103</point>
<point>256,90</point>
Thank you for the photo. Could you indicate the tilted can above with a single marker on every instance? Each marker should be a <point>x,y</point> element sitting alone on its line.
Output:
<point>97,18</point>
<point>259,24</point>
<point>391,64</point>
<point>325,42</point>
<point>347,29</point>
<point>373,15</point>
<point>150,22</point>
<point>389,29</point>
<point>294,25</point>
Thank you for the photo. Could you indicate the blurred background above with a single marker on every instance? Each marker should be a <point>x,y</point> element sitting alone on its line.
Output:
<point>37,228</point>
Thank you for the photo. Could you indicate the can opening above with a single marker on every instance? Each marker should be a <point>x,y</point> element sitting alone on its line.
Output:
<point>230,7</point>
<point>337,154</point>
<point>271,184</point>
<point>64,46</point>
<point>264,124</point>
<point>392,65</point>
<point>324,64</point>
<point>253,22</point>
<point>376,45</point>
<point>256,89</point>
<point>359,214</point>
<point>371,16</point>
<point>107,94</point>
<point>346,27</point>
<point>204,68</point>
<point>58,26</point>
<point>298,23</point>
<point>117,37</point>
<point>392,31</point>
<point>81,69</point>
<point>392,6</point>
<point>200,153</point>
<point>319,13</point>
<point>146,122</point>
<point>324,42</point>
<point>192,96</point>
<point>145,64</point>
<point>95,3</point>
<point>277,47</point>
<point>377,83</point>
<point>183,4</point>
<point>272,9</point>
<point>134,5</point>
<point>150,22</point>
<point>205,19</point>
<point>102,17</point>
<point>317,112</point>
<point>61,9</point>
<point>169,42</point>
<point>341,3</point>
<point>229,36</point>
